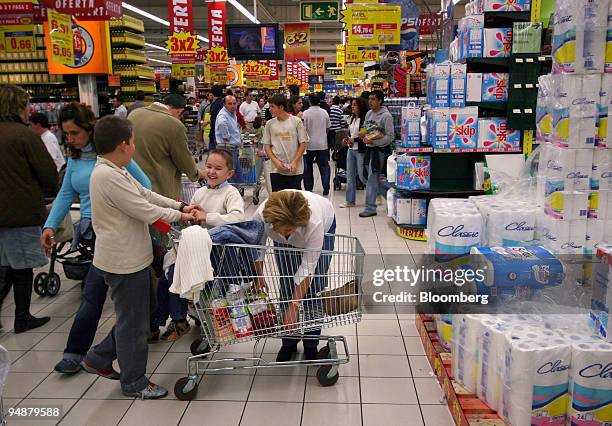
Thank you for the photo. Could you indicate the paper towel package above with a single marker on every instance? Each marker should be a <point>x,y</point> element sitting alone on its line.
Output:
<point>590,391</point>
<point>411,126</point>
<point>419,211</point>
<point>463,127</point>
<point>601,170</point>
<point>413,172</point>
<point>506,6</point>
<point>497,42</point>
<point>494,133</point>
<point>495,87</point>
<point>474,87</point>
<point>403,211</point>
<point>457,84</point>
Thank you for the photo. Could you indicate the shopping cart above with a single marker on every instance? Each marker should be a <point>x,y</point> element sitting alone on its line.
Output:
<point>188,188</point>
<point>245,165</point>
<point>249,296</point>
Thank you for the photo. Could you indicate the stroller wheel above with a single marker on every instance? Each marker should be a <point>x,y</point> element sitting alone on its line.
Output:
<point>52,284</point>
<point>337,185</point>
<point>40,287</point>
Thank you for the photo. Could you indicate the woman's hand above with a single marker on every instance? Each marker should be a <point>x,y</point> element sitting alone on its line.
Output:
<point>47,240</point>
<point>189,209</point>
<point>290,318</point>
<point>188,217</point>
<point>200,215</point>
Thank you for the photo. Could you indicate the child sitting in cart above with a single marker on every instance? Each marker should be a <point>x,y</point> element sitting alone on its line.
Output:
<point>221,203</point>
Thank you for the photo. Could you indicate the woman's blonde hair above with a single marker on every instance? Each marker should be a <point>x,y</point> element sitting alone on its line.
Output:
<point>287,208</point>
<point>13,102</point>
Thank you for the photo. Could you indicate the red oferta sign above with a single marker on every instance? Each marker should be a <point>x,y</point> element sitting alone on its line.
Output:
<point>182,41</point>
<point>85,10</point>
<point>216,23</point>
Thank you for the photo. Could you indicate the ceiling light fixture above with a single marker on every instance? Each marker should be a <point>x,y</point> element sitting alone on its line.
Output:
<point>244,11</point>
<point>160,61</point>
<point>154,18</point>
<point>154,46</point>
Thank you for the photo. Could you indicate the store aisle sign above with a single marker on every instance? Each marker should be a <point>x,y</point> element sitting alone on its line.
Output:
<point>372,25</point>
<point>86,10</point>
<point>319,11</point>
<point>61,38</point>
<point>217,14</point>
<point>297,42</point>
<point>17,38</point>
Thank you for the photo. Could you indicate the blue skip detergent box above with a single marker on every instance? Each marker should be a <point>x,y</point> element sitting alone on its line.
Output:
<point>512,273</point>
<point>458,75</point>
<point>497,42</point>
<point>463,127</point>
<point>495,87</point>
<point>411,126</point>
<point>413,172</point>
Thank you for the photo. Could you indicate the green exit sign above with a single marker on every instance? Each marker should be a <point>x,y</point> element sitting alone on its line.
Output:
<point>312,11</point>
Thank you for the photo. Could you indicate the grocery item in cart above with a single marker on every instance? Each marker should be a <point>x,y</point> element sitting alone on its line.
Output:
<point>263,315</point>
<point>239,312</point>
<point>222,322</point>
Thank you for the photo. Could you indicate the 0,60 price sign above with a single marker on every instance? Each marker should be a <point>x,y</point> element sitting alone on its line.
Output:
<point>21,41</point>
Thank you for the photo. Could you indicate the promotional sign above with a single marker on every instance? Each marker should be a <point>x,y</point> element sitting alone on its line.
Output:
<point>234,75</point>
<point>354,72</point>
<point>17,38</point>
<point>340,54</point>
<point>182,71</point>
<point>182,42</point>
<point>317,65</point>
<point>252,69</point>
<point>90,43</point>
<point>291,73</point>
<point>60,38</point>
<point>372,25</point>
<point>429,24</point>
<point>16,7</point>
<point>85,10</point>
<point>217,15</point>
<point>317,11</point>
<point>217,55</point>
<point>409,31</point>
<point>297,42</point>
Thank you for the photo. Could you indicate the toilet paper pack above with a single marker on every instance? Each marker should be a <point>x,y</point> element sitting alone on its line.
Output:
<point>601,170</point>
<point>413,172</point>
<point>454,226</point>
<point>495,87</point>
<point>605,96</point>
<point>567,205</point>
<point>608,63</point>
<point>494,133</point>
<point>463,127</point>
<point>497,42</point>
<point>599,202</point>
<point>594,235</point>
<point>543,109</point>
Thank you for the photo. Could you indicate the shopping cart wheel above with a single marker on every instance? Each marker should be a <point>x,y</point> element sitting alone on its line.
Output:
<point>40,287</point>
<point>199,346</point>
<point>52,284</point>
<point>324,379</point>
<point>185,389</point>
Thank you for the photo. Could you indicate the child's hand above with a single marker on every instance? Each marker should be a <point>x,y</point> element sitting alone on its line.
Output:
<point>189,209</point>
<point>200,215</point>
<point>188,217</point>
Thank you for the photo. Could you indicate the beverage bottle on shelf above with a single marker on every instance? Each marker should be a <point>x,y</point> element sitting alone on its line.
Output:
<point>239,312</point>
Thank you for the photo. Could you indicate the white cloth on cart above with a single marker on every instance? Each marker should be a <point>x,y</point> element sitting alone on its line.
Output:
<point>193,268</point>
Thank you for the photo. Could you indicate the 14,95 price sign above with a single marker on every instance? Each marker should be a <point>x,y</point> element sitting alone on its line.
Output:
<point>60,37</point>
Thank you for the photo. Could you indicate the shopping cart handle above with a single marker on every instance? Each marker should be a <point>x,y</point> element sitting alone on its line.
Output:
<point>161,226</point>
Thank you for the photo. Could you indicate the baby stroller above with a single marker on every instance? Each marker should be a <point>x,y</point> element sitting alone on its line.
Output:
<point>339,157</point>
<point>75,260</point>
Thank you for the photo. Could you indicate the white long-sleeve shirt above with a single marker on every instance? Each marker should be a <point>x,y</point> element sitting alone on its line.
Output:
<point>54,149</point>
<point>309,237</point>
<point>222,205</point>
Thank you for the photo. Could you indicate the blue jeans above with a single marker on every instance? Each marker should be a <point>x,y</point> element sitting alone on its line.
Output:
<point>86,321</point>
<point>322,159</point>
<point>168,303</point>
<point>288,263</point>
<point>377,184</point>
<point>354,168</point>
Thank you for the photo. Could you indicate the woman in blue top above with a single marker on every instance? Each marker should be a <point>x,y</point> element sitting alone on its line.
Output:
<point>77,123</point>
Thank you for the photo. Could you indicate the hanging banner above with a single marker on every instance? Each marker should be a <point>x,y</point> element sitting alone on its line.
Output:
<point>182,41</point>
<point>234,75</point>
<point>85,10</point>
<point>372,25</point>
<point>354,72</point>
<point>61,46</point>
<point>217,52</point>
<point>317,65</point>
<point>291,73</point>
<point>409,31</point>
<point>340,54</point>
<point>297,42</point>
<point>182,71</point>
<point>16,7</point>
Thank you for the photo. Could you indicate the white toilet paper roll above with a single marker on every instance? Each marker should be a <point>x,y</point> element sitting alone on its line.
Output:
<point>594,235</point>
<point>599,204</point>
<point>456,232</point>
<point>467,331</point>
<point>489,385</point>
<point>590,392</point>
<point>580,175</point>
<point>601,174</point>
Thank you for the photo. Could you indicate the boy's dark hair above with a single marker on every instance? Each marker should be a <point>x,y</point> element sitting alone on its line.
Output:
<point>322,95</point>
<point>314,99</point>
<point>294,89</point>
<point>175,100</point>
<point>110,132</point>
<point>217,91</point>
<point>336,100</point>
<point>279,101</point>
<point>379,95</point>
<point>227,156</point>
<point>40,118</point>
<point>140,96</point>
<point>257,123</point>
<point>365,94</point>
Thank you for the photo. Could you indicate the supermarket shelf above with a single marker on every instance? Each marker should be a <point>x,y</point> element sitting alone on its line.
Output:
<point>458,150</point>
<point>441,192</point>
<point>487,64</point>
<point>504,19</point>
<point>466,409</point>
<point>498,106</point>
<point>411,232</point>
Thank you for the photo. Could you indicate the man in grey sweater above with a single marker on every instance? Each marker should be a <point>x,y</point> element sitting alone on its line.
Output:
<point>377,135</point>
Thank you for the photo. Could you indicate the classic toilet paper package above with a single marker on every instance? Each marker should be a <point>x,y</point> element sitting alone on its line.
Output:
<point>543,109</point>
<point>454,226</point>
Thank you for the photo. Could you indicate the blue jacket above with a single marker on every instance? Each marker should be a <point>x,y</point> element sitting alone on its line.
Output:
<point>227,130</point>
<point>76,182</point>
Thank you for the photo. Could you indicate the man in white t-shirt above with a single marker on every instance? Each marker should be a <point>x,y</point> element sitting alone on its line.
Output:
<point>39,124</point>
<point>317,124</point>
<point>249,109</point>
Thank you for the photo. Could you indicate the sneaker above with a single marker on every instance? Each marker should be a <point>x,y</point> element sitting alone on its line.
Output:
<point>153,337</point>
<point>152,391</point>
<point>68,366</point>
<point>176,330</point>
<point>346,205</point>
<point>107,373</point>
<point>366,213</point>
<point>285,353</point>
<point>380,200</point>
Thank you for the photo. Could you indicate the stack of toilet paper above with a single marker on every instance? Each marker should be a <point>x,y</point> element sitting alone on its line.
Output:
<point>544,109</point>
<point>601,298</point>
<point>454,226</point>
<point>507,222</point>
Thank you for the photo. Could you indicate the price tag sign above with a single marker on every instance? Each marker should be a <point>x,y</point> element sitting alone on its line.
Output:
<point>182,44</point>
<point>217,55</point>
<point>19,38</point>
<point>60,36</point>
<point>252,68</point>
<point>369,55</point>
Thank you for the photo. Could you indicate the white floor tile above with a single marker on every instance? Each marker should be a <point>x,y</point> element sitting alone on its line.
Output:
<point>98,412</point>
<point>19,385</point>
<point>384,366</point>
<point>391,415</point>
<point>378,328</point>
<point>224,387</point>
<point>64,406</point>
<point>381,345</point>
<point>346,390</point>
<point>278,388</point>
<point>388,390</point>
<point>419,364</point>
<point>160,412</point>
<point>331,414</point>
<point>414,346</point>
<point>437,415</point>
<point>63,386</point>
<point>37,362</point>
<point>216,413</point>
<point>258,413</point>
<point>429,391</point>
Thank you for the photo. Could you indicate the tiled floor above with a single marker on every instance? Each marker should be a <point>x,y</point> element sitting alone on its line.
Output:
<point>388,380</point>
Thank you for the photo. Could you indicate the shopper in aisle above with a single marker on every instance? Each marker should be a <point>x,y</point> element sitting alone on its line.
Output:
<point>263,108</point>
<point>39,123</point>
<point>356,152</point>
<point>323,103</point>
<point>215,107</point>
<point>299,219</point>
<point>204,120</point>
<point>295,106</point>
<point>28,176</point>
<point>227,130</point>
<point>249,109</point>
<point>120,109</point>
<point>317,124</point>
<point>285,140</point>
<point>77,123</point>
<point>377,135</point>
<point>161,145</point>
<point>337,122</point>
<point>122,211</point>
<point>138,103</point>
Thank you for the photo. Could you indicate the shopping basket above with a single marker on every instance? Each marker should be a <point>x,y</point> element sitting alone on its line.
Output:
<point>245,164</point>
<point>250,296</point>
